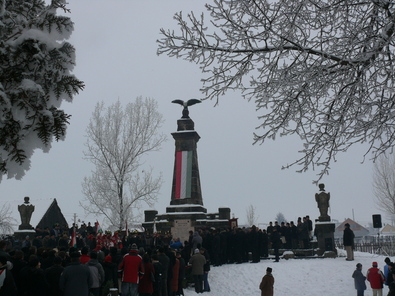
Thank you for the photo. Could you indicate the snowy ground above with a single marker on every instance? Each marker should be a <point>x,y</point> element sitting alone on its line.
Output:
<point>296,277</point>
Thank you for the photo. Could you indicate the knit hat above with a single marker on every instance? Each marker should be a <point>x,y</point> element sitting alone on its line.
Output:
<point>134,247</point>
<point>197,251</point>
<point>359,265</point>
<point>374,264</point>
<point>108,259</point>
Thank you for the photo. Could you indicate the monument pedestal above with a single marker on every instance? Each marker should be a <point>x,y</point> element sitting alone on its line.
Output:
<point>324,232</point>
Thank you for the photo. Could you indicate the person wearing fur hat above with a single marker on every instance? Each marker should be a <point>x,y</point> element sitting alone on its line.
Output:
<point>359,280</point>
<point>376,279</point>
<point>267,284</point>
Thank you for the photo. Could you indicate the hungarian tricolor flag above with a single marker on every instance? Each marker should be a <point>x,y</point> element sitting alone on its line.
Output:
<point>98,228</point>
<point>183,174</point>
<point>73,242</point>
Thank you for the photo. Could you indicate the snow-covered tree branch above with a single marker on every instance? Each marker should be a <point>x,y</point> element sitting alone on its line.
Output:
<point>251,215</point>
<point>35,67</point>
<point>323,70</point>
<point>117,141</point>
<point>7,221</point>
<point>384,184</point>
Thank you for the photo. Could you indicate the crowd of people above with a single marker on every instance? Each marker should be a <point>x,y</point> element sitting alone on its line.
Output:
<point>376,278</point>
<point>60,261</point>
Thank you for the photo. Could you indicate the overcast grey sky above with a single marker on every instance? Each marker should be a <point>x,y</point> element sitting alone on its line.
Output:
<point>116,46</point>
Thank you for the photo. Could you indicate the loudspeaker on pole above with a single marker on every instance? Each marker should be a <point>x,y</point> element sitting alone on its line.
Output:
<point>376,221</point>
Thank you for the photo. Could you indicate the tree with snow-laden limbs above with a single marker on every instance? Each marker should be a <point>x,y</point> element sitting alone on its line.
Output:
<point>7,222</point>
<point>118,139</point>
<point>35,67</point>
<point>323,70</point>
<point>251,214</point>
<point>384,184</point>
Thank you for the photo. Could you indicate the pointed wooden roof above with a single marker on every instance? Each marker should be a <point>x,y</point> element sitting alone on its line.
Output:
<point>388,229</point>
<point>358,229</point>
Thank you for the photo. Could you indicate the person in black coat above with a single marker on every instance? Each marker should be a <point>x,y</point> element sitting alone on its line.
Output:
<point>348,241</point>
<point>18,263</point>
<point>216,248</point>
<point>110,271</point>
<point>52,276</point>
<point>181,274</point>
<point>76,278</point>
<point>33,278</point>
<point>7,287</point>
<point>392,286</point>
<point>276,244</point>
<point>255,244</point>
<point>158,275</point>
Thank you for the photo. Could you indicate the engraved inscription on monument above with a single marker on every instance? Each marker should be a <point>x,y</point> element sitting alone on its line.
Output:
<point>181,229</point>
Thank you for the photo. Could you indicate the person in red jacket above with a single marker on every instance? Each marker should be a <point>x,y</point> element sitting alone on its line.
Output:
<point>132,269</point>
<point>376,279</point>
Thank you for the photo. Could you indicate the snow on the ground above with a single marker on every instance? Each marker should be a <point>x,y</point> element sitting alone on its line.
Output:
<point>296,277</point>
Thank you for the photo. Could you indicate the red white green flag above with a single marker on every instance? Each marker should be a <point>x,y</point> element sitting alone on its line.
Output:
<point>183,174</point>
<point>73,241</point>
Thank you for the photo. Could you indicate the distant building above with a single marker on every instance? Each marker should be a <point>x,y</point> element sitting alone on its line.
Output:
<point>358,229</point>
<point>388,230</point>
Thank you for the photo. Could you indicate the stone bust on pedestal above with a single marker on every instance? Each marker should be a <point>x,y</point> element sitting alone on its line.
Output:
<point>26,210</point>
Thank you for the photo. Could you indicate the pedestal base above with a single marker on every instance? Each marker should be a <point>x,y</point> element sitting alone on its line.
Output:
<point>324,232</point>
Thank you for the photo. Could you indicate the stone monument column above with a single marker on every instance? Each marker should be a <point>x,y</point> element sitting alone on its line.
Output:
<point>324,228</point>
<point>186,180</point>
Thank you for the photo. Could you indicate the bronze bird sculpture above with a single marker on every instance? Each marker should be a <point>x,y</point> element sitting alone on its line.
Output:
<point>186,104</point>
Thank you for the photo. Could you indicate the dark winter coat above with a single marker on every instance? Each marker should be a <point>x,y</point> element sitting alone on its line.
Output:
<point>392,289</point>
<point>146,285</point>
<point>75,280</point>
<point>33,281</point>
<point>267,285</point>
<point>18,265</point>
<point>276,240</point>
<point>8,288</point>
<point>52,275</point>
<point>197,262</point>
<point>97,273</point>
<point>359,280</point>
<point>197,240</point>
<point>165,261</point>
<point>348,237</point>
<point>110,272</point>
<point>158,277</point>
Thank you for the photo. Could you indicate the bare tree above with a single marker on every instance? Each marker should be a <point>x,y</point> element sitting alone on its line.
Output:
<point>280,218</point>
<point>384,184</point>
<point>251,215</point>
<point>7,222</point>
<point>323,70</point>
<point>117,141</point>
